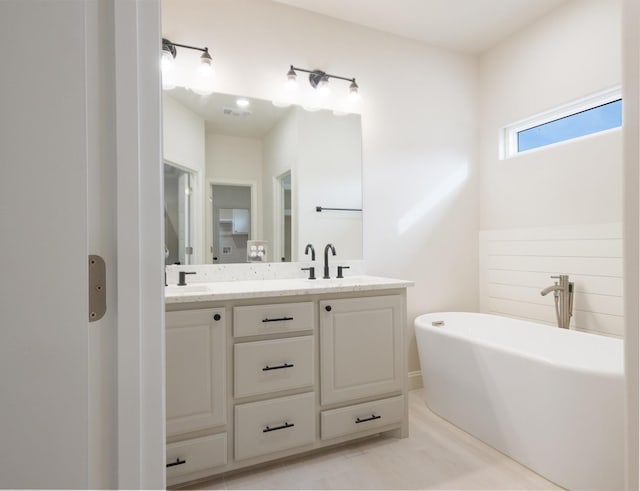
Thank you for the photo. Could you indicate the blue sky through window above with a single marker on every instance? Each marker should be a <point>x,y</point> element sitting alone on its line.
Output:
<point>590,121</point>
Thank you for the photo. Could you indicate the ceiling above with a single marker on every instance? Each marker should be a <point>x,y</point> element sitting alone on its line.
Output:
<point>222,114</point>
<point>468,26</point>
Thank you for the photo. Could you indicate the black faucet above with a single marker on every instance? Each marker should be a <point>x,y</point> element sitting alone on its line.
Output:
<point>311,269</point>
<point>326,259</point>
<point>181,276</point>
<point>312,272</point>
<point>313,251</point>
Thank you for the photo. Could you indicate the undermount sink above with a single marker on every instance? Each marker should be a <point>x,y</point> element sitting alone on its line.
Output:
<point>176,290</point>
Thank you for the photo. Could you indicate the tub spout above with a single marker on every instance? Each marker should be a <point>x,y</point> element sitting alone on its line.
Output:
<point>549,289</point>
<point>563,299</point>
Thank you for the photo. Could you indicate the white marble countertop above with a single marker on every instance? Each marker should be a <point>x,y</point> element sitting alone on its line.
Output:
<point>232,290</point>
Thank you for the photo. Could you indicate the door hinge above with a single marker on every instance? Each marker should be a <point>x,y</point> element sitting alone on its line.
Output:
<point>97,288</point>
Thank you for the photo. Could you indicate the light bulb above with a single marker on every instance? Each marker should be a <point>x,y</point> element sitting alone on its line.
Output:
<point>206,66</point>
<point>323,86</point>
<point>354,95</point>
<point>242,102</point>
<point>292,82</point>
<point>167,61</point>
<point>205,70</point>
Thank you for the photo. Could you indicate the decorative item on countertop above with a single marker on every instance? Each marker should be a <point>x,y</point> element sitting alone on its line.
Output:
<point>257,251</point>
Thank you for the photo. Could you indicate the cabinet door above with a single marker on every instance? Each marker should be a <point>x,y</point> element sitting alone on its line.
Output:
<point>196,364</point>
<point>361,347</point>
<point>241,222</point>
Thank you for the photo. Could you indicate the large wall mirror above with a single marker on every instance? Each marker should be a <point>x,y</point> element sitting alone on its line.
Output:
<point>249,181</point>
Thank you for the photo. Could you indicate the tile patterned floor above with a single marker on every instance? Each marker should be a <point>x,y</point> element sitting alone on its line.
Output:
<point>436,456</point>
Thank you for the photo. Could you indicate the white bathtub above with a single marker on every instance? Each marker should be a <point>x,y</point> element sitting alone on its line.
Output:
<point>550,398</point>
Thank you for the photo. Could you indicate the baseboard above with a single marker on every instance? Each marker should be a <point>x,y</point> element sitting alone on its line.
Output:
<point>415,380</point>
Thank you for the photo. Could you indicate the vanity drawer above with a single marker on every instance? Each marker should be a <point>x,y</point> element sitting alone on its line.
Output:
<point>195,455</point>
<point>256,320</point>
<point>277,424</point>
<point>269,366</point>
<point>361,417</point>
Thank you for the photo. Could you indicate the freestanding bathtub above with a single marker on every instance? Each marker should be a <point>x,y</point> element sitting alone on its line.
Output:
<point>550,398</point>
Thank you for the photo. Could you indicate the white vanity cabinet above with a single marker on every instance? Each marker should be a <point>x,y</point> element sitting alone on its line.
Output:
<point>277,375</point>
<point>360,347</point>
<point>196,351</point>
<point>196,391</point>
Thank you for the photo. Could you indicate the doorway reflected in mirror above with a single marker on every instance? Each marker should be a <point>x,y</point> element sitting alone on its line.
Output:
<point>231,209</point>
<point>178,190</point>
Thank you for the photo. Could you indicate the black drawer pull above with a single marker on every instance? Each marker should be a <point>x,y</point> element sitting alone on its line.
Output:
<point>278,319</point>
<point>286,365</point>
<point>373,416</point>
<point>177,462</point>
<point>275,428</point>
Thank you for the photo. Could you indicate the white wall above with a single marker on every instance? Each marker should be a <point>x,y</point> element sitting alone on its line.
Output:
<point>419,131</point>
<point>184,145</point>
<point>572,52</point>
<point>232,160</point>
<point>233,157</point>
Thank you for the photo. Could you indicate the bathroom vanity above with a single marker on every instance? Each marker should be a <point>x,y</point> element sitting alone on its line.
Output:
<point>262,370</point>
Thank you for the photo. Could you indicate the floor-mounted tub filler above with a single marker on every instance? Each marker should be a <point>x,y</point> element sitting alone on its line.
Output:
<point>552,399</point>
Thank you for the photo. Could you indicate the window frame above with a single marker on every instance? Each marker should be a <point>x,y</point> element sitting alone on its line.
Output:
<point>509,133</point>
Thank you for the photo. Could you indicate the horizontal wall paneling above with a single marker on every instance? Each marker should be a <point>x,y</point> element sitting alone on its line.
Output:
<point>516,264</point>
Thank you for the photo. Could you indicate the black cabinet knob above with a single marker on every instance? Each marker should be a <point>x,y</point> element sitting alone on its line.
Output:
<point>217,317</point>
<point>328,308</point>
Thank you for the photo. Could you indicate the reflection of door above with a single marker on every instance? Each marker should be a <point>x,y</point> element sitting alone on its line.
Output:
<point>231,205</point>
<point>178,188</point>
<point>282,217</point>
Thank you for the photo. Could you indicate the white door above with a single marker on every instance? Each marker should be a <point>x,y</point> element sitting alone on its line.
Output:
<point>66,415</point>
<point>44,338</point>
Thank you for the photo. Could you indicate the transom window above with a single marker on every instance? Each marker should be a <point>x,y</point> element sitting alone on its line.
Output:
<point>593,114</point>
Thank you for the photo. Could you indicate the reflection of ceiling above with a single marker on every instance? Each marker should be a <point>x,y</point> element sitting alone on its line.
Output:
<point>470,26</point>
<point>223,116</point>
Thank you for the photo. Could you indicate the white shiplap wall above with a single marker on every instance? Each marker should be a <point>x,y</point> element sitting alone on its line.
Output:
<point>516,264</point>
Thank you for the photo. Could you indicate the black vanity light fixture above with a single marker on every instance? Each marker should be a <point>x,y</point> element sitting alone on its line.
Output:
<point>169,53</point>
<point>319,80</point>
